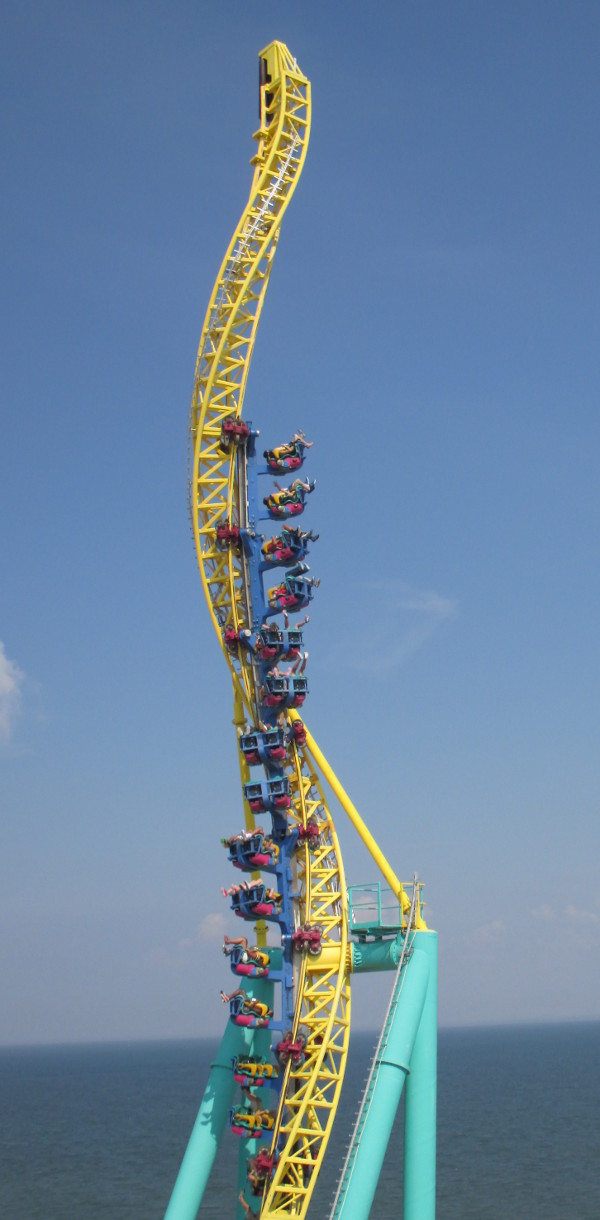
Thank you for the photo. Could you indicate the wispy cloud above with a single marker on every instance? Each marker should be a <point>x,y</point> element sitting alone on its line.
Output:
<point>210,931</point>
<point>493,931</point>
<point>11,683</point>
<point>570,914</point>
<point>578,916</point>
<point>212,928</point>
<point>392,620</point>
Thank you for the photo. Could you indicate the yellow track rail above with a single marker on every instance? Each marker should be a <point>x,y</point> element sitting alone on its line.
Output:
<point>322,1010</point>
<point>231,321</point>
<point>311,1092</point>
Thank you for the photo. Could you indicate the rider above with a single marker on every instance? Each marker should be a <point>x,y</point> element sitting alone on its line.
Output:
<point>306,486</point>
<point>298,572</point>
<point>293,449</point>
<point>246,1206</point>
<point>256,1104</point>
<point>235,889</point>
<point>302,623</point>
<point>243,836</point>
<point>257,1007</point>
<point>289,495</point>
<point>290,535</point>
<point>254,955</point>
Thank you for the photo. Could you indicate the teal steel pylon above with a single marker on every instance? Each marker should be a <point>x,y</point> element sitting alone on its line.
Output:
<point>214,1112</point>
<point>412,1016</point>
<point>421,1100</point>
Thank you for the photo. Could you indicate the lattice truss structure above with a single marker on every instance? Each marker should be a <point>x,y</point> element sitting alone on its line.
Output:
<point>311,1092</point>
<point>217,494</point>
<point>232,319</point>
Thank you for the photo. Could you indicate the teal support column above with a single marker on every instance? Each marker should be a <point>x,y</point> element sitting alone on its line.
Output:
<point>208,1128</point>
<point>214,1113</point>
<point>420,1100</point>
<point>387,1088</point>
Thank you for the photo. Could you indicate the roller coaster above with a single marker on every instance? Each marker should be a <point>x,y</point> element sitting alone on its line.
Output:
<point>277,1078</point>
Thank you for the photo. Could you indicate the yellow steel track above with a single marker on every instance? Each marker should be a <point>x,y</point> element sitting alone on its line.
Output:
<point>231,322</point>
<point>217,493</point>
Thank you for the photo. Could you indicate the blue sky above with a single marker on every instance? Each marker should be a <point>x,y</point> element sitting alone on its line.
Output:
<point>432,324</point>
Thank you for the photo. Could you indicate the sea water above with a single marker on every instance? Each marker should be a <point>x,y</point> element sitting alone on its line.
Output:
<point>92,1132</point>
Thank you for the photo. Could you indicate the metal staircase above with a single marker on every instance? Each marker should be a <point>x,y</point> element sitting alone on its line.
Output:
<point>371,1082</point>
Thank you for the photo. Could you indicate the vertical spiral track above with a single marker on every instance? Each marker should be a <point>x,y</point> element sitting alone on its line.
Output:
<point>219,495</point>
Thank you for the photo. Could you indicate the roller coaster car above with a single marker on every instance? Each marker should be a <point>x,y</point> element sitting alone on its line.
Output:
<point>226,536</point>
<point>285,503</point>
<point>244,1121</point>
<point>249,748</point>
<point>231,639</point>
<point>261,1170</point>
<point>268,795</point>
<point>261,746</point>
<point>269,643</point>
<point>255,901</point>
<point>308,939</point>
<point>276,691</point>
<point>252,853</point>
<point>292,509</point>
<point>299,733</point>
<point>242,964</point>
<point>240,1012</point>
<point>233,432</point>
<point>286,547</point>
<point>284,692</point>
<point>297,692</point>
<point>251,1071</point>
<point>291,1048</point>
<point>249,971</point>
<point>292,643</point>
<point>282,554</point>
<point>310,834</point>
<point>293,594</point>
<point>280,463</point>
<point>268,651</point>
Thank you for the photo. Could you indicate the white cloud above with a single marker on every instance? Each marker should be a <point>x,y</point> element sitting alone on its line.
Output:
<point>212,929</point>
<point>578,916</point>
<point>571,914</point>
<point>397,621</point>
<point>11,682</point>
<point>493,931</point>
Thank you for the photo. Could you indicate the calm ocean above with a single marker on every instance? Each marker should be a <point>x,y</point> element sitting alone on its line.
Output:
<point>93,1132</point>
